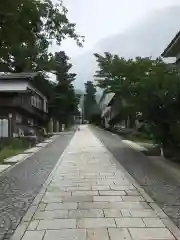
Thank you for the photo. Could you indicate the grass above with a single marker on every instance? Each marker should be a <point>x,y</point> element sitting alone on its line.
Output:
<point>9,152</point>
<point>139,138</point>
<point>11,147</point>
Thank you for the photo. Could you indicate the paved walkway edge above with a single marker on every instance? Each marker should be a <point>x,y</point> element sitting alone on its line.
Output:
<point>161,214</point>
<point>27,154</point>
<point>134,145</point>
<point>22,227</point>
<point>31,211</point>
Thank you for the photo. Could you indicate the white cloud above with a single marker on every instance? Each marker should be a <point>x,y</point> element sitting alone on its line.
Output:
<point>146,38</point>
<point>127,27</point>
<point>97,19</point>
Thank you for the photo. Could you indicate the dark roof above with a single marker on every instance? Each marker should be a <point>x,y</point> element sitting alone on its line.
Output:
<point>175,39</point>
<point>23,75</point>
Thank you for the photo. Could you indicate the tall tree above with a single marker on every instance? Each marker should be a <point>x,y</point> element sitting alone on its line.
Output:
<point>89,100</point>
<point>27,29</point>
<point>150,87</point>
<point>26,32</point>
<point>64,104</point>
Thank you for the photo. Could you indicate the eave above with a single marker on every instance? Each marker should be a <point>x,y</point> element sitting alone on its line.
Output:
<point>173,49</point>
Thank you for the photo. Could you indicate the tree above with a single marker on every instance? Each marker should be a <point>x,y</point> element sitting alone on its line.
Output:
<point>26,32</point>
<point>151,88</point>
<point>113,75</point>
<point>90,103</point>
<point>64,103</point>
<point>27,29</point>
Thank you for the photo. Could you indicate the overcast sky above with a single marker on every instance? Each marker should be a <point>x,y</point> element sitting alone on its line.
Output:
<point>97,19</point>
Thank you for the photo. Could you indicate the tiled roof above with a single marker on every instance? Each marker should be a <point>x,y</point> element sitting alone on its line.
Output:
<point>175,39</point>
<point>23,75</point>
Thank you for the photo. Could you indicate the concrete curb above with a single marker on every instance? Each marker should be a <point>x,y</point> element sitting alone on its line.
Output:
<point>27,155</point>
<point>152,150</point>
<point>22,227</point>
<point>135,146</point>
<point>4,167</point>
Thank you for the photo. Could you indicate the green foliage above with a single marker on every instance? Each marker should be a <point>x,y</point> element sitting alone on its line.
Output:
<point>27,29</point>
<point>12,147</point>
<point>90,103</point>
<point>9,152</point>
<point>149,87</point>
<point>96,119</point>
<point>26,32</point>
<point>44,85</point>
<point>15,143</point>
<point>139,137</point>
<point>64,101</point>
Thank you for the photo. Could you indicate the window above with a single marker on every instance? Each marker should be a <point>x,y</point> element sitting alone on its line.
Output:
<point>45,106</point>
<point>40,104</point>
<point>18,118</point>
<point>33,100</point>
<point>37,102</point>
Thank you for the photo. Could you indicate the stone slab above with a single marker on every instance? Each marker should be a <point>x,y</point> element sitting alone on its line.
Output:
<point>119,233</point>
<point>97,234</point>
<point>95,223</point>
<point>44,144</point>
<point>134,145</point>
<point>61,206</point>
<point>32,150</point>
<point>56,224</point>
<point>65,234</point>
<point>49,215</point>
<point>153,222</point>
<point>129,222</point>
<point>151,234</point>
<point>29,235</point>
<point>93,213</point>
<point>4,167</point>
<point>48,141</point>
<point>17,158</point>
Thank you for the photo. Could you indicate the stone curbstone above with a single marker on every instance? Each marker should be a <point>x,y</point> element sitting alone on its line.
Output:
<point>28,155</point>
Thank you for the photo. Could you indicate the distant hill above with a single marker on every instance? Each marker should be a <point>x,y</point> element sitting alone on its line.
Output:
<point>79,91</point>
<point>147,38</point>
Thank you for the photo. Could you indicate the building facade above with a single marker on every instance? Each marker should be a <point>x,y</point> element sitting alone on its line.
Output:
<point>112,112</point>
<point>109,107</point>
<point>23,108</point>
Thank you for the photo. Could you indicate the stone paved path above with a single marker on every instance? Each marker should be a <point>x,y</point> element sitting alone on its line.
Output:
<point>159,178</point>
<point>20,185</point>
<point>90,197</point>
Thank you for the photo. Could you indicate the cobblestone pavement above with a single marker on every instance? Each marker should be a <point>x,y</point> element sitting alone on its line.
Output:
<point>89,196</point>
<point>155,177</point>
<point>20,185</point>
